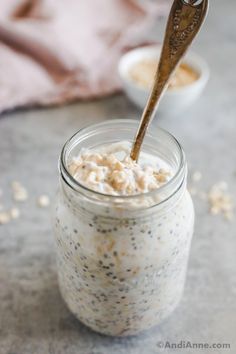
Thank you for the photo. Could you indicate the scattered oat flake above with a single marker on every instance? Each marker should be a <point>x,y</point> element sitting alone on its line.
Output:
<point>19,192</point>
<point>14,213</point>
<point>220,200</point>
<point>197,176</point>
<point>4,218</point>
<point>43,201</point>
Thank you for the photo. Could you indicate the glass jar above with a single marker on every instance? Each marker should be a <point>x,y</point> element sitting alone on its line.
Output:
<point>122,260</point>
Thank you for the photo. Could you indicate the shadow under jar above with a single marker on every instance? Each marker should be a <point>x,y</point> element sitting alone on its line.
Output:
<point>122,260</point>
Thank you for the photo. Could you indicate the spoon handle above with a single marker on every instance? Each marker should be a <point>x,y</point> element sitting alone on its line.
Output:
<point>184,22</point>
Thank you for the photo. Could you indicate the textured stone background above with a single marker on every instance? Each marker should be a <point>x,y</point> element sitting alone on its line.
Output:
<point>33,318</point>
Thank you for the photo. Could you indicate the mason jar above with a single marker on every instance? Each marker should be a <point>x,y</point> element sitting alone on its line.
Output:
<point>122,260</point>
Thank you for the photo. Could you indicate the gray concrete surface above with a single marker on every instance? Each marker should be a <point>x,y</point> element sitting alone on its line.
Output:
<point>33,317</point>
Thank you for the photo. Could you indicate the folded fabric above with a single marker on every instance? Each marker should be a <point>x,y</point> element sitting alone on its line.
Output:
<point>56,51</point>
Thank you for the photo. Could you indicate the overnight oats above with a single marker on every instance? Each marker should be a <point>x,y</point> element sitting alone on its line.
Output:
<point>123,229</point>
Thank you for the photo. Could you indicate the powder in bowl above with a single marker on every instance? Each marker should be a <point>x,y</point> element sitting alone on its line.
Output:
<point>142,73</point>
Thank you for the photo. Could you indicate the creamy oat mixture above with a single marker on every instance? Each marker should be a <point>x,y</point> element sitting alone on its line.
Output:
<point>122,275</point>
<point>110,170</point>
<point>121,272</point>
<point>143,73</point>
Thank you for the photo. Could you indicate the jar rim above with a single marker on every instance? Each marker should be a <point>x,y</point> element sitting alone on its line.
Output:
<point>78,187</point>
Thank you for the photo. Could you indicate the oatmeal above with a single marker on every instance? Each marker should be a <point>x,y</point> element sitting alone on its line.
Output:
<point>122,269</point>
<point>143,73</point>
<point>115,173</point>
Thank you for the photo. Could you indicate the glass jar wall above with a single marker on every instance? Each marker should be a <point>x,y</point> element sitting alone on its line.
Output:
<point>122,260</point>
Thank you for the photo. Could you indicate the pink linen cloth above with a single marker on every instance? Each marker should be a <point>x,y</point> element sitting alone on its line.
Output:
<point>56,51</point>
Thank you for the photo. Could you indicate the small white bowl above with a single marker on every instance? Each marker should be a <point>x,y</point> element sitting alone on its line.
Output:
<point>175,100</point>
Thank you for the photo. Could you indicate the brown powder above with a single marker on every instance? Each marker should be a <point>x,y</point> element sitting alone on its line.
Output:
<point>143,73</point>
